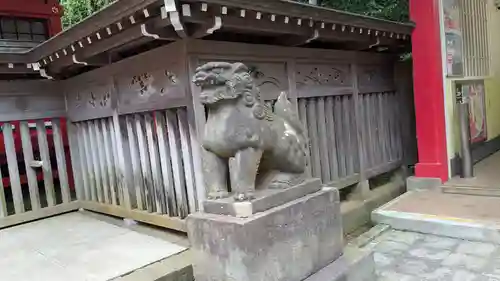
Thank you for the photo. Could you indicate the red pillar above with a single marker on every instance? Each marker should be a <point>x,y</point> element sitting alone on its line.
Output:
<point>428,88</point>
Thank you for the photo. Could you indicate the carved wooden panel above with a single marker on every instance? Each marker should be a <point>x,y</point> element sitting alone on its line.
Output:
<point>30,100</point>
<point>151,90</point>
<point>315,79</point>
<point>375,78</point>
<point>323,75</point>
<point>92,101</point>
<point>270,77</point>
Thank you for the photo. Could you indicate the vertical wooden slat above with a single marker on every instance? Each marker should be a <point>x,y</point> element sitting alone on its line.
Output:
<point>89,162</point>
<point>83,161</point>
<point>312,126</point>
<point>145,164</point>
<point>61,160</point>
<point>385,127</point>
<point>124,172</point>
<point>109,155</point>
<point>136,165</point>
<point>187,158</point>
<point>393,111</point>
<point>331,135</point>
<point>303,117</point>
<point>390,128</point>
<point>43,146</point>
<point>196,120</point>
<point>75,162</point>
<point>30,173</point>
<point>15,181</point>
<point>398,126</point>
<point>159,190</point>
<point>340,135</point>
<point>368,142</point>
<point>390,122</point>
<point>354,135</point>
<point>166,166</point>
<point>197,158</point>
<point>364,133</point>
<point>94,143</point>
<point>323,138</point>
<point>371,130</point>
<point>378,137</point>
<point>358,124</point>
<point>101,159</point>
<point>346,110</point>
<point>175,152</point>
<point>124,181</point>
<point>382,121</point>
<point>3,203</point>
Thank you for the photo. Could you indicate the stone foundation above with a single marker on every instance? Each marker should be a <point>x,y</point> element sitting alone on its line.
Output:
<point>286,243</point>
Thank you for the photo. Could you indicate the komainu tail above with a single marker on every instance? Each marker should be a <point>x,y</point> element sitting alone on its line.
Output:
<point>285,109</point>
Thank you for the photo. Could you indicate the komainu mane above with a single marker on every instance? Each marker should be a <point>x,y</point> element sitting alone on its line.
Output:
<point>258,147</point>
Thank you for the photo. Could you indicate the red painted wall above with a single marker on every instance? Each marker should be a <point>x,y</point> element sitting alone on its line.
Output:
<point>429,92</point>
<point>48,9</point>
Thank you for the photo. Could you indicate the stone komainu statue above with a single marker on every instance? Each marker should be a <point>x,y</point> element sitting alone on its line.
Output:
<point>260,148</point>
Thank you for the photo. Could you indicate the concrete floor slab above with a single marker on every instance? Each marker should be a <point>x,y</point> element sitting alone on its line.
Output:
<point>77,246</point>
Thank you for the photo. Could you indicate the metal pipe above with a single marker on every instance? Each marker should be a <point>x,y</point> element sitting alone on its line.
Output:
<point>467,166</point>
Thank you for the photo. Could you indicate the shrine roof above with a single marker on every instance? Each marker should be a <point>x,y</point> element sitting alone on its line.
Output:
<point>128,27</point>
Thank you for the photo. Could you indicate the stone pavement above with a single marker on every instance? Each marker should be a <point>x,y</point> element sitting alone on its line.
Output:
<point>410,256</point>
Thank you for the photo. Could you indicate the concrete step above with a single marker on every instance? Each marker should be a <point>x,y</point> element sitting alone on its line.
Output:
<point>475,218</point>
<point>471,190</point>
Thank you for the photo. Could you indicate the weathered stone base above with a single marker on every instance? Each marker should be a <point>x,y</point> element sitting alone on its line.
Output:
<point>264,200</point>
<point>286,243</point>
<point>353,265</point>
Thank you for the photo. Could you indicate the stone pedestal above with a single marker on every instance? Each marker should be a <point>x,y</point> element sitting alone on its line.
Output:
<point>289,242</point>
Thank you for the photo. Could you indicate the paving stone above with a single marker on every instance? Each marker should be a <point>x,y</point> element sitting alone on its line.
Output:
<point>430,254</point>
<point>439,242</point>
<point>463,275</point>
<point>488,277</point>
<point>394,276</point>
<point>441,274</point>
<point>467,261</point>
<point>476,248</point>
<point>407,256</point>
<point>391,247</point>
<point>382,260</point>
<point>412,267</point>
<point>405,237</point>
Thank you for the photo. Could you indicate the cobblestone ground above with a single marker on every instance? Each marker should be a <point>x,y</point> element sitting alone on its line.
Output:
<point>409,256</point>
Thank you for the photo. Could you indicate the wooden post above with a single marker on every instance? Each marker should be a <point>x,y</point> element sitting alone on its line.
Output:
<point>196,115</point>
<point>363,187</point>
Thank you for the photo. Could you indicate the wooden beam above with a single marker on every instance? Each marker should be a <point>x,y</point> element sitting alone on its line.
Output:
<point>293,9</point>
<point>108,16</point>
<point>155,26</point>
<point>293,33</point>
<point>4,69</point>
<point>138,215</point>
<point>15,58</point>
<point>39,214</point>
<point>248,24</point>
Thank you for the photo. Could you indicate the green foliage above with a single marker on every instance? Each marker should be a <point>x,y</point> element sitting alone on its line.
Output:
<point>395,10</point>
<point>77,10</point>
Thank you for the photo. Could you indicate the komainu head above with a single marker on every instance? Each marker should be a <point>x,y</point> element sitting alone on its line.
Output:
<point>223,81</point>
